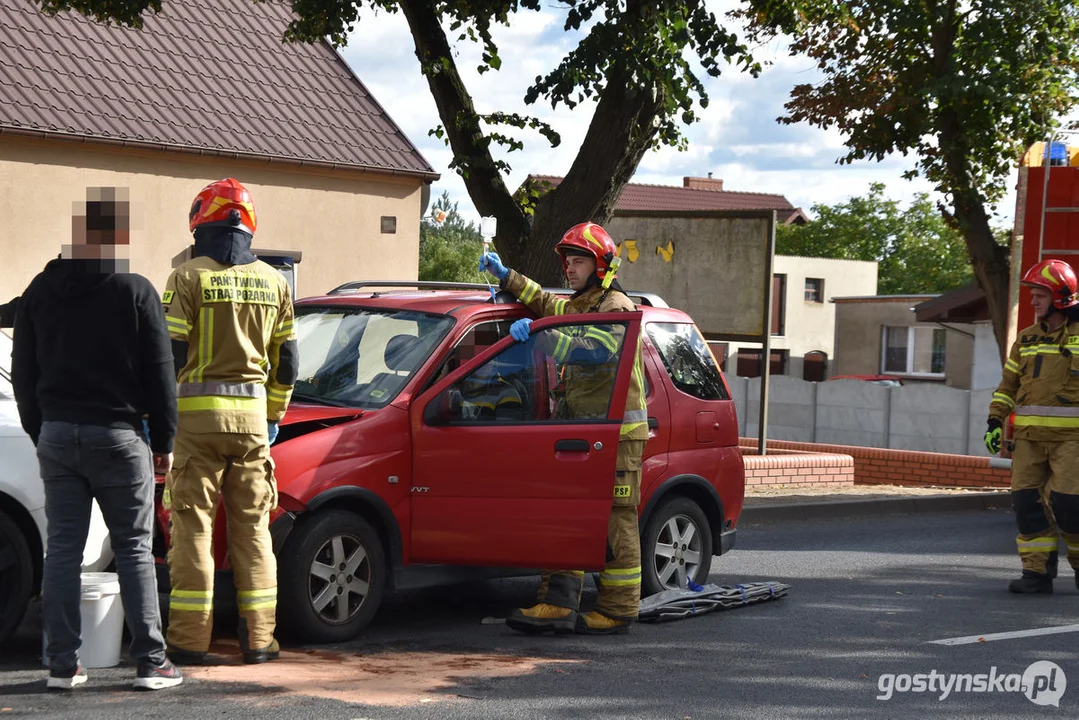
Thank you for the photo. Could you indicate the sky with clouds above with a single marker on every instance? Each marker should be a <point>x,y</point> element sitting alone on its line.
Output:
<point>737,138</point>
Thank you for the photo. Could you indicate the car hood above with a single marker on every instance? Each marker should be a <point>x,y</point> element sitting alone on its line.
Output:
<point>302,412</point>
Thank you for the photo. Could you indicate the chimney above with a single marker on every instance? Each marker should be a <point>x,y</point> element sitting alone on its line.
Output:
<point>699,183</point>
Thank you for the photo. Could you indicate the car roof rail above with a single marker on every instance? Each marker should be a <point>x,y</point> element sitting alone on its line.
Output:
<point>640,298</point>
<point>419,284</point>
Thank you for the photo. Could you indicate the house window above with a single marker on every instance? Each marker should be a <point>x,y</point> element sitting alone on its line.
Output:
<point>815,290</point>
<point>779,301</point>
<point>389,224</point>
<point>913,351</point>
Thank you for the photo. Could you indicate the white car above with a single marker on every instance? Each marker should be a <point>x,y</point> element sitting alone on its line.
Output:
<point>22,512</point>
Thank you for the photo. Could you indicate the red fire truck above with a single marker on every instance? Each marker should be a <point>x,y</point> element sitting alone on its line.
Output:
<point>1046,216</point>
<point>1046,221</point>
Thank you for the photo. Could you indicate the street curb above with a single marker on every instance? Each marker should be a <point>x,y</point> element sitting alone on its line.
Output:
<point>832,509</point>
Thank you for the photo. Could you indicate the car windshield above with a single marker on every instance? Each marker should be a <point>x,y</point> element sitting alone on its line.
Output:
<point>362,357</point>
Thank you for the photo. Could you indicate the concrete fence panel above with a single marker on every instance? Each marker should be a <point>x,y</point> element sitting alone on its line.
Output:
<point>930,418</point>
<point>920,416</point>
<point>979,413</point>
<point>852,412</point>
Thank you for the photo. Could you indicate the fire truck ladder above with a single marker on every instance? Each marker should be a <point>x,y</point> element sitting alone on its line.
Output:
<point>1054,138</point>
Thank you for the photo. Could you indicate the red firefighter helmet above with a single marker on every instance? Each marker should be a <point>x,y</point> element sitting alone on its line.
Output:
<point>225,203</point>
<point>1057,277</point>
<point>592,239</point>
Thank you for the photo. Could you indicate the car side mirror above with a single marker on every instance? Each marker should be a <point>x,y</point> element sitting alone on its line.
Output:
<point>445,408</point>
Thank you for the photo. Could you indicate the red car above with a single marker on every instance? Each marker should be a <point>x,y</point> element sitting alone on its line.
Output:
<point>424,445</point>
<point>886,380</point>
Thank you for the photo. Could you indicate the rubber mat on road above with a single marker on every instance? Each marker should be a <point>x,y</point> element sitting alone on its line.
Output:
<point>700,599</point>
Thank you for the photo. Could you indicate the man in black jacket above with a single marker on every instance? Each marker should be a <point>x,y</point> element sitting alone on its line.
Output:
<point>91,359</point>
<point>7,313</point>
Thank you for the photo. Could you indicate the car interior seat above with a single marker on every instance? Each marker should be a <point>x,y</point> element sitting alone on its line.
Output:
<point>402,355</point>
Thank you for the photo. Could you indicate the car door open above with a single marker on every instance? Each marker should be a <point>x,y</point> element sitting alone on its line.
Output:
<point>514,452</point>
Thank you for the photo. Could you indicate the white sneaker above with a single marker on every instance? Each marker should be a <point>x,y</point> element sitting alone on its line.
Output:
<point>66,679</point>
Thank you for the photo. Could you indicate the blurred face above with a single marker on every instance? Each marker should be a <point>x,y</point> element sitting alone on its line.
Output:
<point>578,269</point>
<point>1042,300</point>
<point>101,228</point>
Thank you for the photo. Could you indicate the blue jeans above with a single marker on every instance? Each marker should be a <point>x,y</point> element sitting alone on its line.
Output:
<point>81,463</point>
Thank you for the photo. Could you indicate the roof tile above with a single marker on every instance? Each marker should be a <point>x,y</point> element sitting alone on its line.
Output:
<point>638,196</point>
<point>186,82</point>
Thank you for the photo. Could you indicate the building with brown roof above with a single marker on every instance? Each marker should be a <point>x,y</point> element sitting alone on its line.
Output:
<point>697,194</point>
<point>188,100</point>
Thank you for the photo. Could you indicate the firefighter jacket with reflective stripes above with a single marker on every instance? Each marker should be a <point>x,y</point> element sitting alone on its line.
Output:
<point>1041,384</point>
<point>588,387</point>
<point>235,318</point>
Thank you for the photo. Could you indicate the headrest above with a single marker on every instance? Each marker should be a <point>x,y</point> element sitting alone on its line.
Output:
<point>503,297</point>
<point>400,352</point>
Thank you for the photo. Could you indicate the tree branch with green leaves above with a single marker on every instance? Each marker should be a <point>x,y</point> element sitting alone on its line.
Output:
<point>964,87</point>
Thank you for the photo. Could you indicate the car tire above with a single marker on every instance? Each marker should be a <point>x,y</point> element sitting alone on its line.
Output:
<point>16,576</point>
<point>676,546</point>
<point>318,603</point>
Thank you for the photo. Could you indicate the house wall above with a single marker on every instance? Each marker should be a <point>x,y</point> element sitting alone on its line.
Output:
<point>857,331</point>
<point>810,326</point>
<point>333,217</point>
<point>986,372</point>
<point>858,338</point>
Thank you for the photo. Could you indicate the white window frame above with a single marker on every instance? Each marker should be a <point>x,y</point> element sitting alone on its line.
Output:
<point>910,353</point>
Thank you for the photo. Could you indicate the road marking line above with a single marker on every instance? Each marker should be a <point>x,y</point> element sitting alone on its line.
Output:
<point>970,639</point>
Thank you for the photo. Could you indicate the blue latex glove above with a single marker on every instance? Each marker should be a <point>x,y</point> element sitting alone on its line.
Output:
<point>519,330</point>
<point>146,430</point>
<point>271,431</point>
<point>493,264</point>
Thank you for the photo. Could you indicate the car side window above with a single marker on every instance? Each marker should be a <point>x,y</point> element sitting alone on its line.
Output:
<point>562,374</point>
<point>477,339</point>
<point>687,360</point>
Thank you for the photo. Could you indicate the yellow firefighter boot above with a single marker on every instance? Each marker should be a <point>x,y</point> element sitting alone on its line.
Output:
<point>593,623</point>
<point>543,617</point>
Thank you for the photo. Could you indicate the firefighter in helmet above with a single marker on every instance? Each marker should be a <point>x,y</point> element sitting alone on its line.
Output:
<point>230,318</point>
<point>1041,386</point>
<point>589,262</point>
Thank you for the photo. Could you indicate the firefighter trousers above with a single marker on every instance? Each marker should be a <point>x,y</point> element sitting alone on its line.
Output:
<point>620,582</point>
<point>237,467</point>
<point>1045,495</point>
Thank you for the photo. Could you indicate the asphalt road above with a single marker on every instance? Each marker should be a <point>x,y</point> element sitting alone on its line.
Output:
<point>868,595</point>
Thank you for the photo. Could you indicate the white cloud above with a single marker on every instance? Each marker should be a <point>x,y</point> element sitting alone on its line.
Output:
<point>737,138</point>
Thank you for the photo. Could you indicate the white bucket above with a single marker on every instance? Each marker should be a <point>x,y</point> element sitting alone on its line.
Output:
<point>102,621</point>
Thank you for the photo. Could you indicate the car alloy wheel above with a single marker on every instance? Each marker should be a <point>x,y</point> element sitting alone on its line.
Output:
<point>678,551</point>
<point>331,577</point>
<point>340,579</point>
<point>676,546</point>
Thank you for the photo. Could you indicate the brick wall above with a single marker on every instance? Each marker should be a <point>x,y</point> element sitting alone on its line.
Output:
<point>879,466</point>
<point>795,467</point>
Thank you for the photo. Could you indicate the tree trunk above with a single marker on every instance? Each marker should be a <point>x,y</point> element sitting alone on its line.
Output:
<point>990,261</point>
<point>461,123</point>
<point>991,267</point>
<point>622,130</point>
